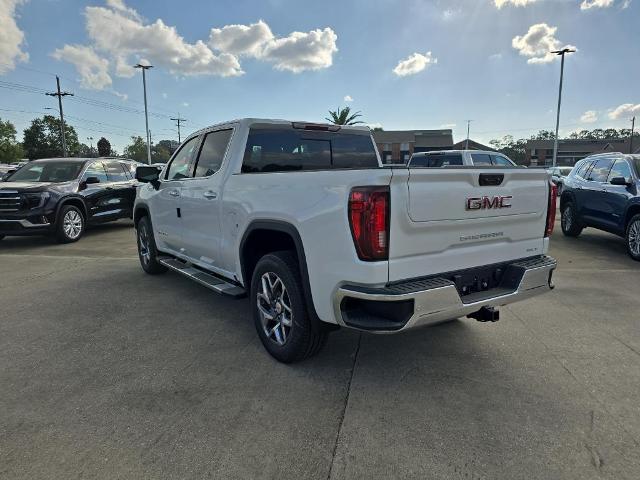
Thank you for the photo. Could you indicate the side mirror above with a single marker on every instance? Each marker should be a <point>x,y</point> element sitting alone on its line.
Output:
<point>620,181</point>
<point>92,180</point>
<point>148,174</point>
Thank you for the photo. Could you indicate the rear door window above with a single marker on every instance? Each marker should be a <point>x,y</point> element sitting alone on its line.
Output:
<point>501,161</point>
<point>212,153</point>
<point>600,170</point>
<point>353,151</point>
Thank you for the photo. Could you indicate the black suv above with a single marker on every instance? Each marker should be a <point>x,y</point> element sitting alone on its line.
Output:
<point>602,192</point>
<point>61,196</point>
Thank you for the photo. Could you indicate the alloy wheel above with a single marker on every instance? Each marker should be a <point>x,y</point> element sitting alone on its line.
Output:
<point>72,224</point>
<point>143,239</point>
<point>634,238</point>
<point>274,306</point>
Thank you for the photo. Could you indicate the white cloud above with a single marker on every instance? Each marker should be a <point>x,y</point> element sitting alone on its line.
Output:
<point>626,4</point>
<point>414,63</point>
<point>495,57</point>
<point>122,37</point>
<point>300,51</point>
<point>11,37</point>
<point>348,98</point>
<point>537,43</point>
<point>450,14</point>
<point>624,110</point>
<point>164,95</point>
<point>93,70</point>
<point>448,125</point>
<point>119,31</point>
<point>185,104</point>
<point>588,4</point>
<point>590,116</point>
<point>247,40</point>
<point>517,3</point>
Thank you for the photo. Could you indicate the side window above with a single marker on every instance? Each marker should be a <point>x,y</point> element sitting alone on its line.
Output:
<point>115,172</point>
<point>620,169</point>
<point>581,170</point>
<point>501,161</point>
<point>600,170</point>
<point>96,169</point>
<point>212,153</point>
<point>481,159</point>
<point>181,162</point>
<point>275,150</point>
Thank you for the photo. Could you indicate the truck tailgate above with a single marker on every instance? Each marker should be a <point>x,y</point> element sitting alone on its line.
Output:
<point>455,218</point>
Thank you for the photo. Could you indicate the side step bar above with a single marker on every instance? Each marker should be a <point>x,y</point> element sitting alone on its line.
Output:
<point>208,280</point>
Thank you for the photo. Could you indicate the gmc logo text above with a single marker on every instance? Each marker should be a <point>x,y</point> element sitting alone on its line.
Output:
<point>482,203</point>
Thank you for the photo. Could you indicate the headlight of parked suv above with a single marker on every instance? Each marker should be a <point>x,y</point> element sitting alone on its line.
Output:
<point>35,200</point>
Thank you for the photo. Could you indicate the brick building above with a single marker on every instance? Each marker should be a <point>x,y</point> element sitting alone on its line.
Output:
<point>540,152</point>
<point>396,146</point>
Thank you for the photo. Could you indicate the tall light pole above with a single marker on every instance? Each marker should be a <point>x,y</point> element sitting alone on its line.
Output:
<point>60,94</point>
<point>146,114</point>
<point>633,126</point>
<point>561,53</point>
<point>90,143</point>
<point>466,145</point>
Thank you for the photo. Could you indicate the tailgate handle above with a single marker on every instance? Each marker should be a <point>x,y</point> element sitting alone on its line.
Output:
<point>491,179</point>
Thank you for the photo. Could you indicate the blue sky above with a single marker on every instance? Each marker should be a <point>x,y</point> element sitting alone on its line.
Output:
<point>486,62</point>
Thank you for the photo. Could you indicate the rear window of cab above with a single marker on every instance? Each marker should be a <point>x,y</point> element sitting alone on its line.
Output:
<point>290,149</point>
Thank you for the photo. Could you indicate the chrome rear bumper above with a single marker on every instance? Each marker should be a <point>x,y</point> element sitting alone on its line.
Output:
<point>433,300</point>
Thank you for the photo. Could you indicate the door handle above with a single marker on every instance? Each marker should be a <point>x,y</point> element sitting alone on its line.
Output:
<point>174,193</point>
<point>210,195</point>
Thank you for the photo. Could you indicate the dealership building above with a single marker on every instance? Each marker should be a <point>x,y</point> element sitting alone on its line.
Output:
<point>540,152</point>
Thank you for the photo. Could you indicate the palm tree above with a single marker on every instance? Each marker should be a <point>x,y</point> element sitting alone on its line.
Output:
<point>344,117</point>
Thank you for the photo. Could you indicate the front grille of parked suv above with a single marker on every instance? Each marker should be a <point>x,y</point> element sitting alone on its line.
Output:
<point>10,201</point>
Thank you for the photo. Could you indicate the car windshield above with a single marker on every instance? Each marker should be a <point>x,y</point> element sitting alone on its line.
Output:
<point>57,171</point>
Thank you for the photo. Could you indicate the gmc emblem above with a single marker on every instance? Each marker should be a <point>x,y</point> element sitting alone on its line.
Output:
<point>481,203</point>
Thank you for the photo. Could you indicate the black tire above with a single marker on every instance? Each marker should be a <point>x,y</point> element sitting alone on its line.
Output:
<point>305,336</point>
<point>70,225</point>
<point>147,251</point>
<point>632,237</point>
<point>569,221</point>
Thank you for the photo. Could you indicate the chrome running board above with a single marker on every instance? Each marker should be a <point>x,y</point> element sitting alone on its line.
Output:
<point>208,280</point>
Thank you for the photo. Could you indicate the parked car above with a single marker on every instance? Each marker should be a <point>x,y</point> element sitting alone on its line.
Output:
<point>602,192</point>
<point>5,171</point>
<point>305,220</point>
<point>558,174</point>
<point>62,196</point>
<point>446,158</point>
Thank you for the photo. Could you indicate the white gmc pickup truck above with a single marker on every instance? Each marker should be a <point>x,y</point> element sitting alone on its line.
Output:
<point>304,219</point>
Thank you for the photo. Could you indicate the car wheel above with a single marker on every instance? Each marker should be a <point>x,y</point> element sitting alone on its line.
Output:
<point>71,224</point>
<point>569,222</point>
<point>281,318</point>
<point>633,237</point>
<point>147,251</point>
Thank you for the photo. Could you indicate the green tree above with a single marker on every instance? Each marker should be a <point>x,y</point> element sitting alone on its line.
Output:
<point>10,149</point>
<point>159,154</point>
<point>137,150</point>
<point>344,117</point>
<point>104,148</point>
<point>170,145</point>
<point>42,139</point>
<point>544,135</point>
<point>516,150</point>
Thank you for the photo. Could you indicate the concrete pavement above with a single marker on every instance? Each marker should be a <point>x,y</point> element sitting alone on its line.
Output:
<point>110,373</point>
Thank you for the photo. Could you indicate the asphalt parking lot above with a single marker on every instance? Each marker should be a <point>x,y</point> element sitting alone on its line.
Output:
<point>106,372</point>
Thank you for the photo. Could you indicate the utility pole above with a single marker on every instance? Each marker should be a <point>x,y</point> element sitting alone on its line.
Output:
<point>60,94</point>
<point>90,143</point>
<point>178,120</point>
<point>146,114</point>
<point>633,125</point>
<point>561,53</point>
<point>466,145</point>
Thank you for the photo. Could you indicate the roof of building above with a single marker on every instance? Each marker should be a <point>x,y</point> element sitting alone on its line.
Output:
<point>473,145</point>
<point>421,138</point>
<point>583,145</point>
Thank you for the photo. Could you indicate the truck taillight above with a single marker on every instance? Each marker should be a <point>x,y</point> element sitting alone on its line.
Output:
<point>551,209</point>
<point>369,221</point>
